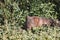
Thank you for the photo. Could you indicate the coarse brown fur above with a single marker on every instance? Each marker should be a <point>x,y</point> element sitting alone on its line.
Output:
<point>35,21</point>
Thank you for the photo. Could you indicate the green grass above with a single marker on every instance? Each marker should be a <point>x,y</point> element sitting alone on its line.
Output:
<point>40,33</point>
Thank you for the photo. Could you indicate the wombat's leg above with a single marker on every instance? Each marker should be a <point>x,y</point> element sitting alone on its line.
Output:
<point>29,28</point>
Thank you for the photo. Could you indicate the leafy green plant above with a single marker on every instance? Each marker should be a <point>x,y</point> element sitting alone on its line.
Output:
<point>14,13</point>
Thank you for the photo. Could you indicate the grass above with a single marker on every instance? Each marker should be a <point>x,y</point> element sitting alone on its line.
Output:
<point>40,33</point>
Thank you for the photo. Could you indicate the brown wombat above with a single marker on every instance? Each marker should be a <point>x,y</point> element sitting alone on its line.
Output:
<point>36,21</point>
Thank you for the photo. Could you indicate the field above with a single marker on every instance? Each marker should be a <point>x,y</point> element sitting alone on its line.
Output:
<point>41,33</point>
<point>13,17</point>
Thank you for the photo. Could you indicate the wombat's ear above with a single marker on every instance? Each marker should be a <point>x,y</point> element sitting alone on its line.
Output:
<point>29,17</point>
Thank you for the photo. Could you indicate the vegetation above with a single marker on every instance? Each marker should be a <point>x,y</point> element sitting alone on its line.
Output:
<point>13,17</point>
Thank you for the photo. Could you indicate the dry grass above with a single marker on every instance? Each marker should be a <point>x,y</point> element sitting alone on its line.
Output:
<point>41,33</point>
